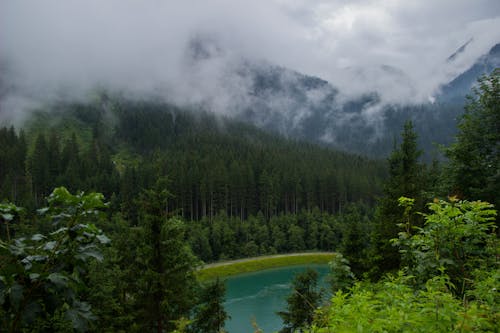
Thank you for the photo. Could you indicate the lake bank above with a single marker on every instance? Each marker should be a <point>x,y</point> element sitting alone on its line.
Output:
<point>247,265</point>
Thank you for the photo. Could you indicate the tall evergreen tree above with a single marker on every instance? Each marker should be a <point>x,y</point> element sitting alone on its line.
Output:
<point>210,315</point>
<point>39,169</point>
<point>71,164</point>
<point>165,265</point>
<point>405,179</point>
<point>54,157</point>
<point>475,156</point>
<point>302,302</point>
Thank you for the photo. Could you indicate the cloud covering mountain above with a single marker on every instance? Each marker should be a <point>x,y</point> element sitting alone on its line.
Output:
<point>398,49</point>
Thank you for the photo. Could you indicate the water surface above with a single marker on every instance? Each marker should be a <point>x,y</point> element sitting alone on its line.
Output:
<point>260,295</point>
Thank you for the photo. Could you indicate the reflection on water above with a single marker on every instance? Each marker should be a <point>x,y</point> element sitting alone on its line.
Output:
<point>266,292</point>
<point>260,295</point>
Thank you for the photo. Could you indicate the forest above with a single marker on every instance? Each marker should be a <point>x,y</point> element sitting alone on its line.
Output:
<point>108,208</point>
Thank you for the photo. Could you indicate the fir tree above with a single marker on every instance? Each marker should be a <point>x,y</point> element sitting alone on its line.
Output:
<point>405,179</point>
<point>210,315</point>
<point>302,302</point>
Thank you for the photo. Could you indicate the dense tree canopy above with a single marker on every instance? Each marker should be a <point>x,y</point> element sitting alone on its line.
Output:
<point>475,155</point>
<point>406,178</point>
<point>302,302</point>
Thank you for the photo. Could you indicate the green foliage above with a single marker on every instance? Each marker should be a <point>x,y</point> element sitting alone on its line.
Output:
<point>43,277</point>
<point>213,164</point>
<point>164,266</point>
<point>405,179</point>
<point>392,306</point>
<point>8,213</point>
<point>224,237</point>
<point>13,178</point>
<point>302,302</point>
<point>458,237</point>
<point>209,314</point>
<point>450,284</point>
<point>341,277</point>
<point>474,157</point>
<point>354,236</point>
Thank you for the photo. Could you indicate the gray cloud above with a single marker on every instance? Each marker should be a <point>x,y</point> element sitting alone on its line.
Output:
<point>55,48</point>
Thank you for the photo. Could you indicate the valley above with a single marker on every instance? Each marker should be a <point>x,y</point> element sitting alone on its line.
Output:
<point>265,166</point>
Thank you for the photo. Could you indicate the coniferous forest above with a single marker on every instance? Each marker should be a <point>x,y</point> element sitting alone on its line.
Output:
<point>108,208</point>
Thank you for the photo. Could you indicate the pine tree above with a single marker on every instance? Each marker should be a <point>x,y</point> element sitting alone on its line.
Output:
<point>302,303</point>
<point>39,169</point>
<point>165,265</point>
<point>71,165</point>
<point>405,179</point>
<point>475,156</point>
<point>54,151</point>
<point>210,315</point>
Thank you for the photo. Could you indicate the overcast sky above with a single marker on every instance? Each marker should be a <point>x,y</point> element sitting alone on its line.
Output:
<point>49,47</point>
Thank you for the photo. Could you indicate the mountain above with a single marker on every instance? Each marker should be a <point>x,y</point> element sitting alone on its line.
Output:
<point>459,51</point>
<point>212,163</point>
<point>304,107</point>
<point>459,87</point>
<point>308,108</point>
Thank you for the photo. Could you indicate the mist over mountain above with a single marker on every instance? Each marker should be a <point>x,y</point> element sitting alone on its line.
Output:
<point>337,73</point>
<point>460,86</point>
<point>309,108</point>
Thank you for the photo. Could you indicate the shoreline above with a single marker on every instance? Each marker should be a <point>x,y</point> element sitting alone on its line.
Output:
<point>246,265</point>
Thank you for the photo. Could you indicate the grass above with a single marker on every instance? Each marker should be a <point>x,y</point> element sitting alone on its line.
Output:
<point>225,269</point>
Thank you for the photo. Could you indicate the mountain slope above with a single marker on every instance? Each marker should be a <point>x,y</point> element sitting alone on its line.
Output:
<point>211,163</point>
<point>459,87</point>
<point>308,108</point>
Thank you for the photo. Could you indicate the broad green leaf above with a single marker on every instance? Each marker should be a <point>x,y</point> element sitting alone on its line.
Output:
<point>42,211</point>
<point>36,257</point>
<point>60,194</point>
<point>80,316</point>
<point>37,237</point>
<point>58,279</point>
<point>92,201</point>
<point>103,239</point>
<point>49,246</point>
<point>7,217</point>
<point>58,231</point>
<point>89,253</point>
<point>34,276</point>
<point>27,262</point>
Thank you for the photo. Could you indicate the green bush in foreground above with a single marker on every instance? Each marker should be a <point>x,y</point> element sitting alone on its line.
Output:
<point>423,297</point>
<point>43,276</point>
<point>394,306</point>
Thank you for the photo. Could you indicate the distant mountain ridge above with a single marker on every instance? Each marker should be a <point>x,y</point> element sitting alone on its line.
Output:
<point>309,108</point>
<point>304,107</point>
<point>460,86</point>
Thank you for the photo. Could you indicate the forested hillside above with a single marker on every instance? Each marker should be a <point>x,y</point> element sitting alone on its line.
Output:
<point>152,153</point>
<point>218,172</point>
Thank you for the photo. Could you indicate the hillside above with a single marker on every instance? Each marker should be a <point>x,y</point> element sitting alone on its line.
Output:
<point>309,108</point>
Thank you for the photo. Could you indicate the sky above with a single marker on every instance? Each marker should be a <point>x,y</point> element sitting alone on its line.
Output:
<point>397,48</point>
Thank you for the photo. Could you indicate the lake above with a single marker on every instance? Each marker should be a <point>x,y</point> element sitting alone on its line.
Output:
<point>260,295</point>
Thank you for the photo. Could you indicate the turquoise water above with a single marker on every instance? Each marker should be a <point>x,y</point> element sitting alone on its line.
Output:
<point>260,295</point>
